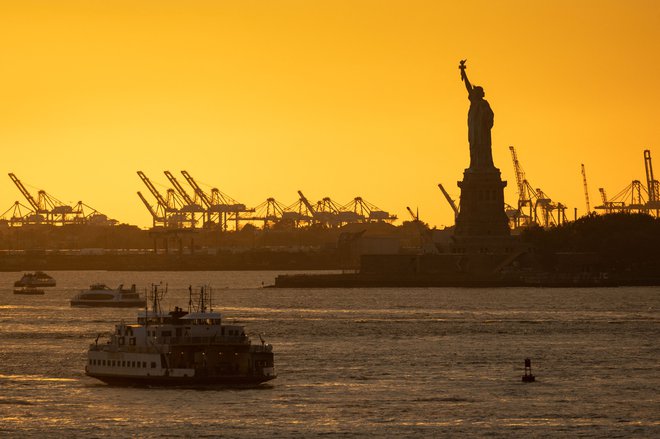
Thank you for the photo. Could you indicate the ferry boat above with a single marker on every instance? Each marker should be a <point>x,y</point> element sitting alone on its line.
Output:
<point>38,279</point>
<point>103,296</point>
<point>181,348</point>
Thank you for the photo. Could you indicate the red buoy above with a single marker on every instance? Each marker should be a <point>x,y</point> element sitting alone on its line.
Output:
<point>528,377</point>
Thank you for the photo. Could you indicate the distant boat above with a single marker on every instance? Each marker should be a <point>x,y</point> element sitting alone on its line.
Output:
<point>35,280</point>
<point>28,290</point>
<point>100,295</point>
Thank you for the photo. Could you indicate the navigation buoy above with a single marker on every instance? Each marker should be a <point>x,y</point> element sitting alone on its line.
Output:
<point>528,377</point>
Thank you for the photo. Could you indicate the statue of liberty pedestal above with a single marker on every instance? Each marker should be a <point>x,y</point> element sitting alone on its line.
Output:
<point>481,219</point>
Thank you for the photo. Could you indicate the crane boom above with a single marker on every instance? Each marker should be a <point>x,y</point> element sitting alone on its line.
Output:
<point>651,183</point>
<point>520,174</point>
<point>198,190</point>
<point>26,194</point>
<point>307,204</point>
<point>162,201</point>
<point>151,210</point>
<point>412,214</point>
<point>603,195</point>
<point>189,201</point>
<point>451,202</point>
<point>586,190</point>
<point>147,205</point>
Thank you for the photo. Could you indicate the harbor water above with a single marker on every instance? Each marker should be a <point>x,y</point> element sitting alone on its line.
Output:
<point>383,362</point>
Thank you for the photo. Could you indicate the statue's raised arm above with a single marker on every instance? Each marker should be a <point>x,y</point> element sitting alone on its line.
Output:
<point>464,77</point>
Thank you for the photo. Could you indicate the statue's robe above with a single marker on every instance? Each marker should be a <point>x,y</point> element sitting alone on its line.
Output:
<point>480,121</point>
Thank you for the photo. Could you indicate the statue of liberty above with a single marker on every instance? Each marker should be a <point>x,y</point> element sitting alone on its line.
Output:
<point>480,121</point>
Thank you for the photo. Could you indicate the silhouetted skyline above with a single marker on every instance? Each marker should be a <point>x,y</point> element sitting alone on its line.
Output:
<point>339,99</point>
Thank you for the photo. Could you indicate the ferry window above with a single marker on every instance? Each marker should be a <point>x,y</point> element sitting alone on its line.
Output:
<point>123,364</point>
<point>166,333</point>
<point>153,364</point>
<point>131,341</point>
<point>144,364</point>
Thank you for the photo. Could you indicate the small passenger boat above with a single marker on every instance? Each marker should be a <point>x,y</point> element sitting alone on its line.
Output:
<point>181,348</point>
<point>37,279</point>
<point>28,291</point>
<point>100,295</point>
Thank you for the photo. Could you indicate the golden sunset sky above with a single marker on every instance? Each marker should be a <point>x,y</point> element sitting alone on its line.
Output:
<point>336,98</point>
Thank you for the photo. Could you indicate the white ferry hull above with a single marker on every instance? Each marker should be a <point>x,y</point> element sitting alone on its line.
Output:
<point>108,303</point>
<point>138,381</point>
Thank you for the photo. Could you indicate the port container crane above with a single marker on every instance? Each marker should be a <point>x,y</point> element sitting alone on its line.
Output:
<point>636,197</point>
<point>227,208</point>
<point>85,214</point>
<point>220,208</point>
<point>630,199</point>
<point>270,211</point>
<point>366,211</point>
<point>45,206</point>
<point>18,216</point>
<point>526,194</point>
<point>534,200</point>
